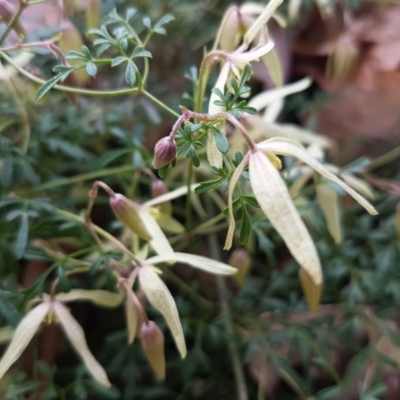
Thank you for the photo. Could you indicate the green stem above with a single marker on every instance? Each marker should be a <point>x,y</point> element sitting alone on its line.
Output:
<point>241,388</point>
<point>204,73</point>
<point>188,197</point>
<point>69,89</point>
<point>84,177</point>
<point>14,20</point>
<point>160,103</point>
<point>384,159</point>
<point>72,217</point>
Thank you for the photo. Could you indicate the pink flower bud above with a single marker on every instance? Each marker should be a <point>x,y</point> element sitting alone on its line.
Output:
<point>240,260</point>
<point>158,188</point>
<point>164,152</point>
<point>128,213</point>
<point>153,345</point>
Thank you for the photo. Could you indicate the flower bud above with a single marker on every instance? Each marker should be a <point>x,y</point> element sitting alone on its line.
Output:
<point>240,260</point>
<point>153,345</point>
<point>158,188</point>
<point>164,152</point>
<point>127,212</point>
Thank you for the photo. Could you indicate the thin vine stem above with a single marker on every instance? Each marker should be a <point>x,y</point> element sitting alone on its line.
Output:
<point>72,217</point>
<point>14,20</point>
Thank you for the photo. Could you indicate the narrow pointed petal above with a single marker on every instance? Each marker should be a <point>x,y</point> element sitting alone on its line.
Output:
<point>170,195</point>
<point>274,199</point>
<point>77,338</point>
<point>203,263</point>
<point>131,316</point>
<point>23,335</point>
<point>311,289</point>
<point>359,185</point>
<point>160,298</point>
<point>214,156</point>
<point>170,224</point>
<point>261,21</point>
<point>268,97</point>
<point>290,148</point>
<point>159,242</point>
<point>99,297</point>
<point>252,55</point>
<point>234,180</point>
<point>274,67</point>
<point>328,200</point>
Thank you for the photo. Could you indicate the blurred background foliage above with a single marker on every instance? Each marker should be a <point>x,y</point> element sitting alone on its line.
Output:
<point>52,151</point>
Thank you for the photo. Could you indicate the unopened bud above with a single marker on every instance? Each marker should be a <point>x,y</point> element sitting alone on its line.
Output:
<point>153,345</point>
<point>127,212</point>
<point>240,260</point>
<point>158,188</point>
<point>164,152</point>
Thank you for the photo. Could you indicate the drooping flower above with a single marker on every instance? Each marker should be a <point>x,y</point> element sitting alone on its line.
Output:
<point>54,308</point>
<point>275,201</point>
<point>234,63</point>
<point>160,297</point>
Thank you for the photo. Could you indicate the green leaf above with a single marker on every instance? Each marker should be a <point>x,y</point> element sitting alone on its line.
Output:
<point>8,309</point>
<point>22,237</point>
<point>221,141</point>
<point>91,69</point>
<point>206,186</point>
<point>63,282</point>
<point>130,73</point>
<point>245,227</point>
<point>118,60</point>
<point>47,86</point>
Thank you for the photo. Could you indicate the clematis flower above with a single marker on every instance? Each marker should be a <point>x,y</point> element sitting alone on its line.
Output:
<point>275,201</point>
<point>54,309</point>
<point>160,297</point>
<point>234,63</point>
<point>328,197</point>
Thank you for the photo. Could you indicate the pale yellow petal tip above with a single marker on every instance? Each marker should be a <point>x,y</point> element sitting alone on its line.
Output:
<point>312,290</point>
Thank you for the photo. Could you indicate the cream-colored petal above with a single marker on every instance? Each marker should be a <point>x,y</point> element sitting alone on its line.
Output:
<point>251,55</point>
<point>290,148</point>
<point>228,34</point>
<point>99,297</point>
<point>23,335</point>
<point>159,242</point>
<point>170,224</point>
<point>160,297</point>
<point>203,263</point>
<point>266,98</point>
<point>274,67</point>
<point>214,156</point>
<point>272,112</point>
<point>232,184</point>
<point>131,314</point>
<point>298,184</point>
<point>328,200</point>
<point>22,60</point>
<point>359,185</point>
<point>174,194</point>
<point>260,22</point>
<point>263,129</point>
<point>274,199</point>
<point>77,338</point>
